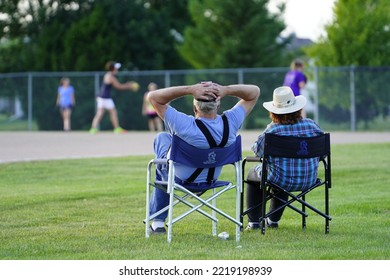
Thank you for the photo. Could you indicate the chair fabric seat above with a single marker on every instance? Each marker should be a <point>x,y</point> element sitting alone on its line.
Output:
<point>195,187</point>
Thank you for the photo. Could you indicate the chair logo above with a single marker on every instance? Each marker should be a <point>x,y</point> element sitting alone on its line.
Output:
<point>211,158</point>
<point>303,151</point>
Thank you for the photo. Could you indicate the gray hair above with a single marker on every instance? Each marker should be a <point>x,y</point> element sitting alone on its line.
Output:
<point>207,107</point>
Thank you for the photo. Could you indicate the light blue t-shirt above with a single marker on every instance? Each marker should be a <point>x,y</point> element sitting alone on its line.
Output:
<point>66,94</point>
<point>185,127</point>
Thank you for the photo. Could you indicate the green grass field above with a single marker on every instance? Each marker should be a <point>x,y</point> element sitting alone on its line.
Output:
<point>93,209</point>
<point>15,125</point>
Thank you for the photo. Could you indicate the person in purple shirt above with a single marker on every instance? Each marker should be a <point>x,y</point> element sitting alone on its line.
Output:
<point>65,100</point>
<point>296,79</point>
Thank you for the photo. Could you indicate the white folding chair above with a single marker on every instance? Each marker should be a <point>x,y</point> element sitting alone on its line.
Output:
<point>179,191</point>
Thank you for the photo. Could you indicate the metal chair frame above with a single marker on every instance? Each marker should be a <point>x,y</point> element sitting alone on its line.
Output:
<point>179,193</point>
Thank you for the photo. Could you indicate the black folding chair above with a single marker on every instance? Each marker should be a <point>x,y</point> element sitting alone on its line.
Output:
<point>292,147</point>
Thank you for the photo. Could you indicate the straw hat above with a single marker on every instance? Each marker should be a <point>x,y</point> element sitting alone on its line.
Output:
<point>284,101</point>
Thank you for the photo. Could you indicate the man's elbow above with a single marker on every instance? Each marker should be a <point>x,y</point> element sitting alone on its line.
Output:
<point>151,97</point>
<point>256,93</point>
<point>148,96</point>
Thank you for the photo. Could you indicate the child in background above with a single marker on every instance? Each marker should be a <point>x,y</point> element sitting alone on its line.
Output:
<point>65,100</point>
<point>154,121</point>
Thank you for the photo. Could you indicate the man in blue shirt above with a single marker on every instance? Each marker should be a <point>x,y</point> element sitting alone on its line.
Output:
<point>207,97</point>
<point>286,114</point>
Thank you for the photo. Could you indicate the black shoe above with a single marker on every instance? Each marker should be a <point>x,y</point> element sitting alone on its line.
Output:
<point>159,230</point>
<point>253,226</point>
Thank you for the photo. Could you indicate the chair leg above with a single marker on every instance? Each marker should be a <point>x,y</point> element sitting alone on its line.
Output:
<point>170,217</point>
<point>171,191</point>
<point>243,181</point>
<point>242,206</point>
<point>263,205</point>
<point>147,204</point>
<point>326,208</point>
<point>238,202</point>
<point>214,214</point>
<point>303,216</point>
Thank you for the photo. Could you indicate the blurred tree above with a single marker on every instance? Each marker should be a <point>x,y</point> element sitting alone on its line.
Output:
<point>76,35</point>
<point>231,34</point>
<point>36,29</point>
<point>359,36</point>
<point>127,31</point>
<point>175,14</point>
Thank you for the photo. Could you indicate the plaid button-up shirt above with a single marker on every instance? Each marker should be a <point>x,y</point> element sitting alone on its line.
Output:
<point>291,174</point>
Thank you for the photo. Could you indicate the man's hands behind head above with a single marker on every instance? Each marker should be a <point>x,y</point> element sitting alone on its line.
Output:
<point>207,91</point>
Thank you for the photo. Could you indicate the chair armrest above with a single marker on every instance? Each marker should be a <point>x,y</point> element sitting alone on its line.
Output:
<point>253,159</point>
<point>160,161</point>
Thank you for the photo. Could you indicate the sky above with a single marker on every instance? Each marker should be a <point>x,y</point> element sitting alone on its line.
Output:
<point>306,18</point>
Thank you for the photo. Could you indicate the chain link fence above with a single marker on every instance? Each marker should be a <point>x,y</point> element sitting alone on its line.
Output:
<point>340,98</point>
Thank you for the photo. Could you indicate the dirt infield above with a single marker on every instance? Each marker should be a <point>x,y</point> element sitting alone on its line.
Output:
<point>29,146</point>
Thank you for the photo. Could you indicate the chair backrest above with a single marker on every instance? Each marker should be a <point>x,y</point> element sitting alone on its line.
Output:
<point>278,146</point>
<point>296,147</point>
<point>184,153</point>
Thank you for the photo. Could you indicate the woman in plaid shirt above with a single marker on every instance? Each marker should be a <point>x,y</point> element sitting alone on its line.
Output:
<point>286,114</point>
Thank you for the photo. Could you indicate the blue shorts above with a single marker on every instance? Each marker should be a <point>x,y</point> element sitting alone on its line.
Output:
<point>66,107</point>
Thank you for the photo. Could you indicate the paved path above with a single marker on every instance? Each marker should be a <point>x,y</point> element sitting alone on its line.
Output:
<point>28,146</point>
